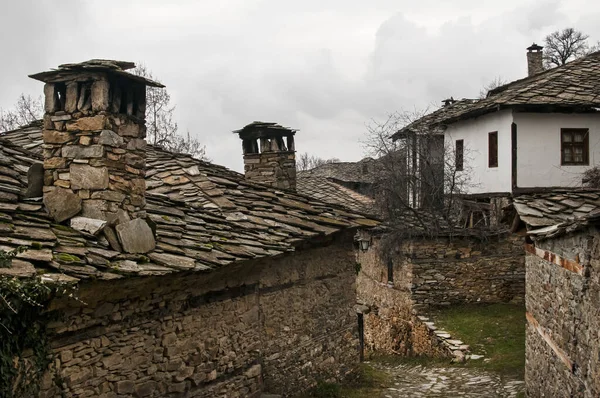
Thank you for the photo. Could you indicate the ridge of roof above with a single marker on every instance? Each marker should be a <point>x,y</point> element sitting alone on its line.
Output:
<point>573,85</point>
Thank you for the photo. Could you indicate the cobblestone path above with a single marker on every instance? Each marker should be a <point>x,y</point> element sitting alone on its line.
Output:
<point>416,381</point>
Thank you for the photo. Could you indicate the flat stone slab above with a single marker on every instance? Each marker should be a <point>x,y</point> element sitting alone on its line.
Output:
<point>89,225</point>
<point>136,236</point>
<point>62,204</point>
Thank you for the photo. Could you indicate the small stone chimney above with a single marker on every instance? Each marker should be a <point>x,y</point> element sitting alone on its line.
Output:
<point>448,102</point>
<point>268,158</point>
<point>94,150</point>
<point>534,59</point>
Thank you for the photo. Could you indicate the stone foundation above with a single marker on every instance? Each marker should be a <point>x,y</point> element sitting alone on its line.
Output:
<point>563,328</point>
<point>278,326</point>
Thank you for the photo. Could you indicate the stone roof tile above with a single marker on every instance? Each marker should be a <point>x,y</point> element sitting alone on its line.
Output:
<point>205,215</point>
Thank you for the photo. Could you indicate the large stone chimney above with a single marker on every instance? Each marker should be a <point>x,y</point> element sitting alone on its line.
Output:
<point>534,59</point>
<point>94,150</point>
<point>268,158</point>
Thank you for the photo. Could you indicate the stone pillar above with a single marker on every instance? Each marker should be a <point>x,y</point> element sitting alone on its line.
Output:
<point>269,154</point>
<point>94,145</point>
<point>535,58</point>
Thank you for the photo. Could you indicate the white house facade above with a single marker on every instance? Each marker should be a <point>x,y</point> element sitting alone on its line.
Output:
<point>509,150</point>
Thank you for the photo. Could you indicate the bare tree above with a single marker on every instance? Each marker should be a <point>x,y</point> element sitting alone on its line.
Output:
<point>308,162</point>
<point>25,111</point>
<point>419,188</point>
<point>563,46</point>
<point>162,129</point>
<point>495,83</point>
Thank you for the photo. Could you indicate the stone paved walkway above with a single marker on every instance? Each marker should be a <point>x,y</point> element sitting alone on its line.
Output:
<point>416,381</point>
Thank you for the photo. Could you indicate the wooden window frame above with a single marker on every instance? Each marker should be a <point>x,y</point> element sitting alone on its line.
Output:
<point>585,144</point>
<point>459,161</point>
<point>493,149</point>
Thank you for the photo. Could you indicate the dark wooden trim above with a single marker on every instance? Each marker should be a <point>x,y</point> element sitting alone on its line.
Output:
<point>513,155</point>
<point>459,155</point>
<point>493,149</point>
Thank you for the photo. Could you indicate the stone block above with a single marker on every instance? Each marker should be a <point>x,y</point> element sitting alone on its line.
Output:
<point>136,236</point>
<point>71,97</point>
<point>110,138</point>
<point>50,98</point>
<point>56,137</point>
<point>145,389</point>
<point>82,152</point>
<point>129,129</point>
<point>91,123</point>
<point>100,91</point>
<point>111,196</point>
<point>55,163</point>
<point>87,177</point>
<point>62,204</point>
<point>89,225</point>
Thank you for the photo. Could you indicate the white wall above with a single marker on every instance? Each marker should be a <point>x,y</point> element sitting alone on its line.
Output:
<point>538,148</point>
<point>474,132</point>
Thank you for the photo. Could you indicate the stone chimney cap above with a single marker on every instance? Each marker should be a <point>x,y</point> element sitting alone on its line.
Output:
<point>448,101</point>
<point>66,71</point>
<point>534,47</point>
<point>264,129</point>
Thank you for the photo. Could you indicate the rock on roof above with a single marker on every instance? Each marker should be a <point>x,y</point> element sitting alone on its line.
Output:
<point>574,85</point>
<point>556,207</point>
<point>206,216</point>
<point>329,191</point>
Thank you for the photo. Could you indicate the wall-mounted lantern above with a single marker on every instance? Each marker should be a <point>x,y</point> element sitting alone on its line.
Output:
<point>364,243</point>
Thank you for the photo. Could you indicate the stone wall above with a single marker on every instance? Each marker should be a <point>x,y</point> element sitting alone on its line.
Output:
<point>429,273</point>
<point>466,270</point>
<point>275,325</point>
<point>563,331</point>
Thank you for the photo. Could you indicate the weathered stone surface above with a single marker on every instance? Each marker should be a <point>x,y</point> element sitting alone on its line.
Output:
<point>92,123</point>
<point>173,261</point>
<point>56,137</point>
<point>62,204</point>
<point>35,181</point>
<point>136,236</point>
<point>89,225</point>
<point>100,91</point>
<point>112,196</point>
<point>129,129</point>
<point>55,163</point>
<point>110,138</point>
<point>72,93</point>
<point>88,177</point>
<point>82,152</point>
<point>136,144</point>
<point>51,99</point>
<point>18,268</point>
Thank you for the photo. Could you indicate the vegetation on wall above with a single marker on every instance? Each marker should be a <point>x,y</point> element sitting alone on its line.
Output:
<point>24,349</point>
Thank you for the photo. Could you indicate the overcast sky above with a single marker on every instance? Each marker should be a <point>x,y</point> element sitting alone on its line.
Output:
<point>325,67</point>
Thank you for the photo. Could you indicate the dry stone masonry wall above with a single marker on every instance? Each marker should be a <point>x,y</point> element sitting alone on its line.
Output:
<point>563,317</point>
<point>429,273</point>
<point>275,325</point>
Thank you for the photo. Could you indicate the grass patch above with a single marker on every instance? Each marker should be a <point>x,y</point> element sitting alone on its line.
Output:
<point>495,330</point>
<point>367,383</point>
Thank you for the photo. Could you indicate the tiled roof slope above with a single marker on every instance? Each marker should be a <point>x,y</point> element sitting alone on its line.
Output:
<point>206,216</point>
<point>363,171</point>
<point>556,207</point>
<point>329,191</point>
<point>430,122</point>
<point>576,84</point>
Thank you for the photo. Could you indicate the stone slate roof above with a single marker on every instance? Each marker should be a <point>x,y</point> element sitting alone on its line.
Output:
<point>206,216</point>
<point>430,122</point>
<point>556,207</point>
<point>329,191</point>
<point>574,85</point>
<point>363,171</point>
